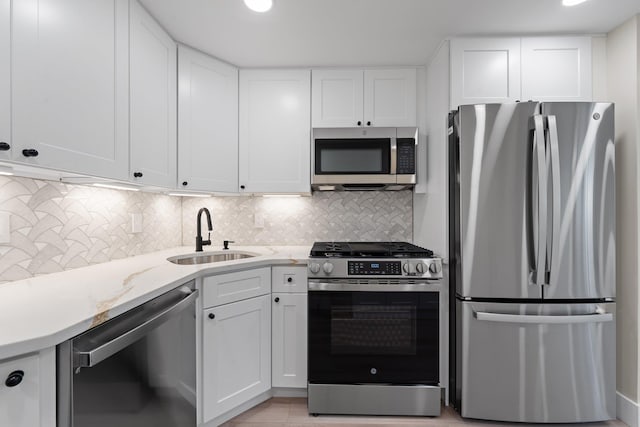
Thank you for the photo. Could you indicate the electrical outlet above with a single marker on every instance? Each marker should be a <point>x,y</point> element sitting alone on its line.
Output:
<point>5,227</point>
<point>136,223</point>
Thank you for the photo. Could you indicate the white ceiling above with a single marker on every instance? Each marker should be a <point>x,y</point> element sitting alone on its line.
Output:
<point>368,32</point>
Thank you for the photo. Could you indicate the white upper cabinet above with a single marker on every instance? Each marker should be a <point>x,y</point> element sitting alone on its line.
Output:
<point>5,79</point>
<point>70,82</point>
<point>153,101</point>
<point>351,98</point>
<point>275,131</point>
<point>390,97</point>
<point>556,69</point>
<point>337,98</point>
<point>207,123</point>
<point>492,70</point>
<point>485,70</point>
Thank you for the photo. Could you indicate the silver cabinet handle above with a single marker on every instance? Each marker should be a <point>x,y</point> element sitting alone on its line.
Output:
<point>532,318</point>
<point>95,355</point>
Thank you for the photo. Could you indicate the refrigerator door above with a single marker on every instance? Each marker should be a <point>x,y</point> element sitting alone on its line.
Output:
<point>551,363</point>
<point>495,251</point>
<point>581,260</point>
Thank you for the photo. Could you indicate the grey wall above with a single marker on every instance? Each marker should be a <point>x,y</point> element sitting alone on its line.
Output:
<point>623,56</point>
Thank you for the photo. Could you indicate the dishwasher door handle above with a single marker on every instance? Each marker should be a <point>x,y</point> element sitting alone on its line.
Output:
<point>91,357</point>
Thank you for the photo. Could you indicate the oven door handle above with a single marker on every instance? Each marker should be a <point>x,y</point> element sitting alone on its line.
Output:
<point>103,350</point>
<point>422,286</point>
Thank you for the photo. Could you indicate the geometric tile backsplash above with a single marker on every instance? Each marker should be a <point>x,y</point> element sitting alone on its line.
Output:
<point>325,216</point>
<point>56,226</point>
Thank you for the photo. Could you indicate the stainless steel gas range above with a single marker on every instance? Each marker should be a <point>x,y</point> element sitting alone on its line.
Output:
<point>373,340</point>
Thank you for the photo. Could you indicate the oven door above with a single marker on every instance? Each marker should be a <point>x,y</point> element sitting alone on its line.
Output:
<point>361,337</point>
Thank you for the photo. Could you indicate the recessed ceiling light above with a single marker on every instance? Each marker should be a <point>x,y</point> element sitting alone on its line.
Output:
<point>259,5</point>
<point>572,2</point>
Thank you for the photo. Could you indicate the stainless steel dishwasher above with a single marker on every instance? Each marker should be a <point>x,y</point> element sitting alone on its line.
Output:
<point>137,369</point>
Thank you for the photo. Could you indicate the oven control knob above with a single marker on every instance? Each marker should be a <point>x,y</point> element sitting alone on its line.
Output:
<point>435,268</point>
<point>327,267</point>
<point>314,267</point>
<point>405,267</point>
<point>420,268</point>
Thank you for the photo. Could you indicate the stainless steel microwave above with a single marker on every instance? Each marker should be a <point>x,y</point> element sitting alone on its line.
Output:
<point>364,159</point>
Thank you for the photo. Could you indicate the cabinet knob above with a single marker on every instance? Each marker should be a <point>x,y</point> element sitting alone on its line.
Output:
<point>359,123</point>
<point>242,187</point>
<point>185,183</point>
<point>30,152</point>
<point>4,146</point>
<point>212,316</point>
<point>368,123</point>
<point>289,279</point>
<point>14,378</point>
<point>277,299</point>
<point>137,174</point>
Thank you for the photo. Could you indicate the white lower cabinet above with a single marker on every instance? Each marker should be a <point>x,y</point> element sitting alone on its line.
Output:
<point>289,340</point>
<point>236,350</point>
<point>27,390</point>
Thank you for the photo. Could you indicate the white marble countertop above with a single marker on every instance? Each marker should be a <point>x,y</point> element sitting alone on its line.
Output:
<point>46,310</point>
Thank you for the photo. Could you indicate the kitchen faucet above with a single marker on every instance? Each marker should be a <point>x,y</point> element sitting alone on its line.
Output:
<point>199,242</point>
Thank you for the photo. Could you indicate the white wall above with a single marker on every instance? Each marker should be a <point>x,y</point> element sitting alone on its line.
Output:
<point>623,56</point>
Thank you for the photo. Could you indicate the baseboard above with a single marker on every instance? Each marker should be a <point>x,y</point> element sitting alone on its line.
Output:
<point>289,392</point>
<point>627,410</point>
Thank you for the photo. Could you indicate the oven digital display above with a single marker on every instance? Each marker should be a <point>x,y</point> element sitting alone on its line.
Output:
<point>384,268</point>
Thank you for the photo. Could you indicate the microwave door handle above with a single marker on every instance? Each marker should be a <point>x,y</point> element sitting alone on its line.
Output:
<point>394,155</point>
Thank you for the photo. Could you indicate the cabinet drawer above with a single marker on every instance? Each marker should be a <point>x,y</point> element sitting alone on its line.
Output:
<point>231,287</point>
<point>289,279</point>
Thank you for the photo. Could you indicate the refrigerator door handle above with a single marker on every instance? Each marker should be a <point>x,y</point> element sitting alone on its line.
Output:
<point>540,246</point>
<point>554,148</point>
<point>545,320</point>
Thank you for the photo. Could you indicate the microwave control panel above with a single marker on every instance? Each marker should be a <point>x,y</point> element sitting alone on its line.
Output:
<point>406,156</point>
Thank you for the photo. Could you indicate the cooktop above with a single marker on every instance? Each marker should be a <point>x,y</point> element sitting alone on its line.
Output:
<point>369,249</point>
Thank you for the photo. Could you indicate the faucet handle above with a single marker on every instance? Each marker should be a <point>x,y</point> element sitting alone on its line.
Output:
<point>225,243</point>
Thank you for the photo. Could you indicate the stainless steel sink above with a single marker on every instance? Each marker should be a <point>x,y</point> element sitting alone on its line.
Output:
<point>207,257</point>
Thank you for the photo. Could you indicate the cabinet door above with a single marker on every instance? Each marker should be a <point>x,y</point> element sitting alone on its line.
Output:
<point>236,354</point>
<point>153,101</point>
<point>207,123</point>
<point>390,97</point>
<point>485,70</point>
<point>556,68</point>
<point>337,98</point>
<point>275,131</point>
<point>5,79</point>
<point>70,82</point>
<point>289,340</point>
<point>32,401</point>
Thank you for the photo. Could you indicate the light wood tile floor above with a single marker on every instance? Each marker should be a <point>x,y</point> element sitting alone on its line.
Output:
<point>292,412</point>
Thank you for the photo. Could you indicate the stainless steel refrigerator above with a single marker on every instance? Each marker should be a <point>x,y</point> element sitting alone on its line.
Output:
<point>532,262</point>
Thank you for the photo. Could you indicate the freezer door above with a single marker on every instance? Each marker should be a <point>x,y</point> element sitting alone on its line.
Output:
<point>551,363</point>
<point>492,255</point>
<point>581,261</point>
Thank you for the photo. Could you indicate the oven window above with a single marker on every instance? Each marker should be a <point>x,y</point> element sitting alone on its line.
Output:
<point>373,337</point>
<point>373,329</point>
<point>352,156</point>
